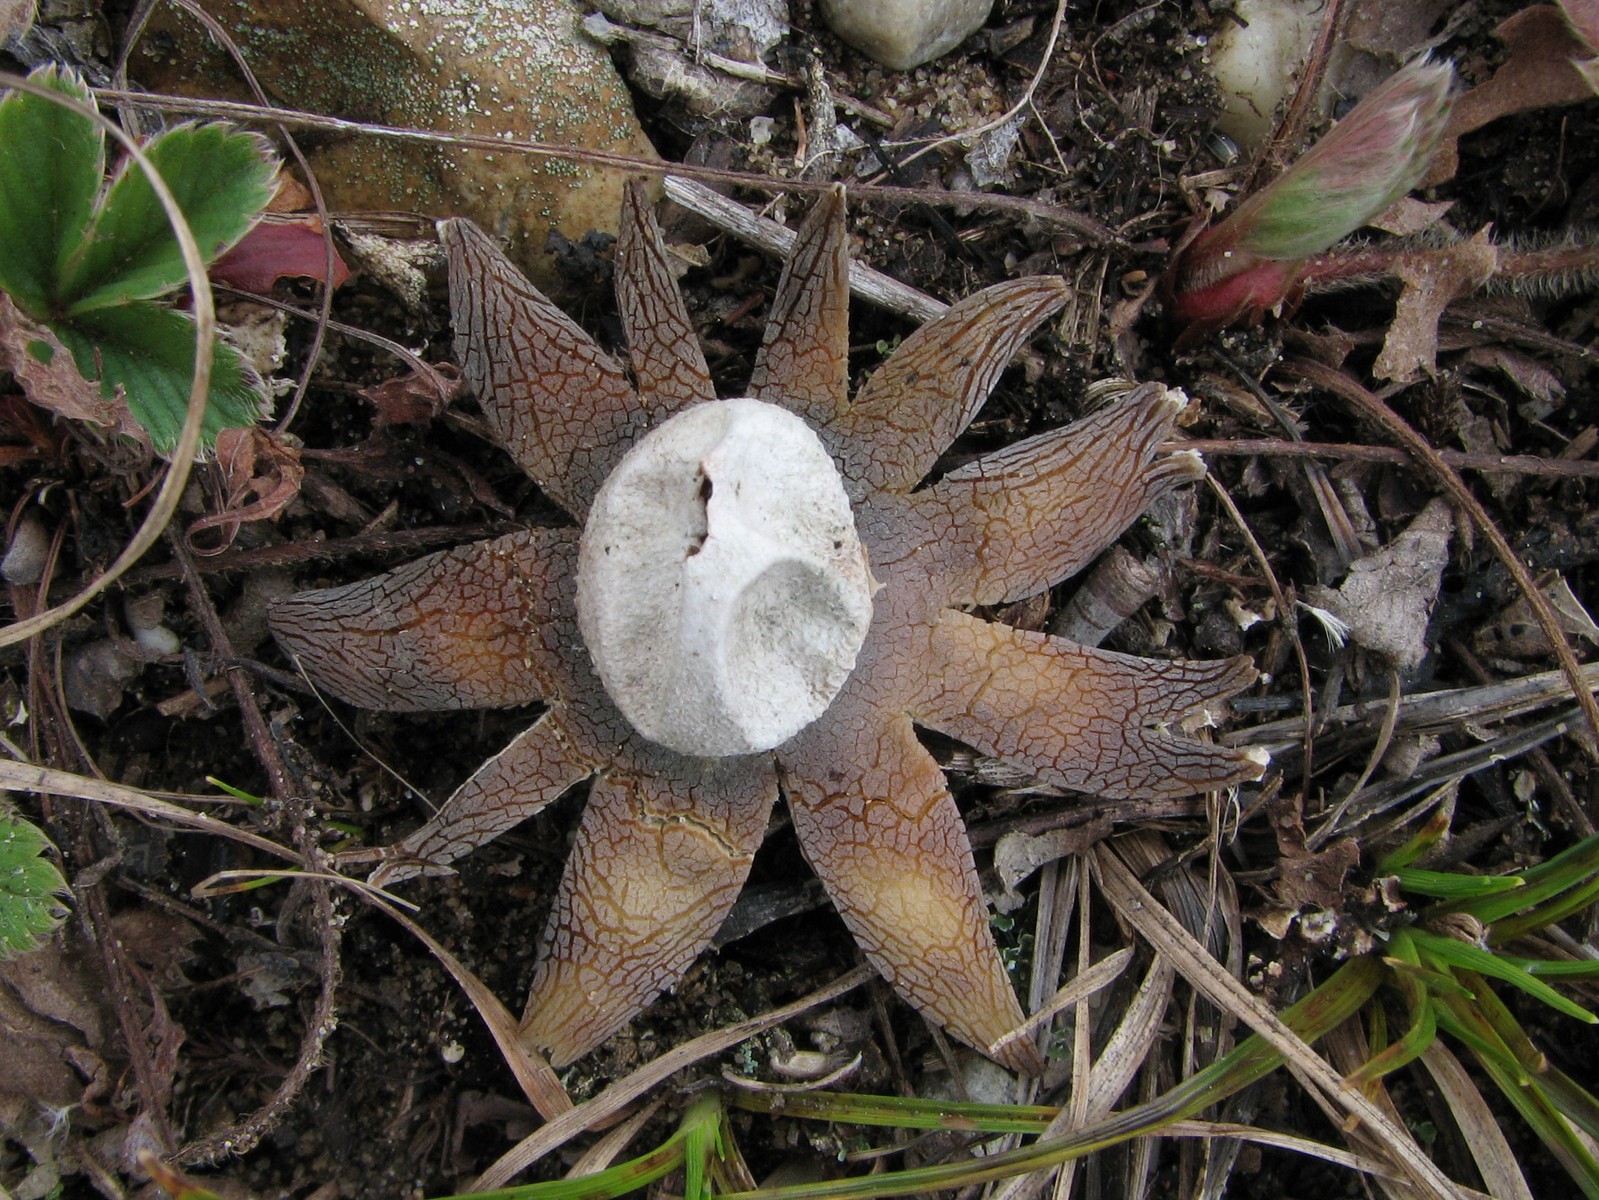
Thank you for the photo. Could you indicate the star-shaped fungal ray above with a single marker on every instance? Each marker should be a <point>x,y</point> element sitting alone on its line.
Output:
<point>561,406</point>
<point>662,852</point>
<point>469,627</point>
<point>883,834</point>
<point>540,764</point>
<point>662,346</point>
<point>803,362</point>
<point>1089,720</point>
<point>1018,521</point>
<point>910,409</point>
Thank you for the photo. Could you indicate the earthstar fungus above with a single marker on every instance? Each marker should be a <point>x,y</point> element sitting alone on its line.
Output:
<point>884,644</point>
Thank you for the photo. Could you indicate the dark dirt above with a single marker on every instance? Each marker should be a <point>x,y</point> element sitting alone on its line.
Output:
<point>412,1097</point>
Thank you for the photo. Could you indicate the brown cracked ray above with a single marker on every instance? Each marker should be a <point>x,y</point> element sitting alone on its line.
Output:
<point>666,840</point>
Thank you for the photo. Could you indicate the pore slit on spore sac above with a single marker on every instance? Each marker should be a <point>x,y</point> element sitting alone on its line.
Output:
<point>704,495</point>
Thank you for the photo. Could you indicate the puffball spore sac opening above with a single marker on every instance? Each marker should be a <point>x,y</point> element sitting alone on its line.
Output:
<point>722,590</point>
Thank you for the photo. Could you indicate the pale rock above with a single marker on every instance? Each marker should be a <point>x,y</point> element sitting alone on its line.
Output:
<point>498,68</point>
<point>28,553</point>
<point>722,590</point>
<point>902,34</point>
<point>1255,61</point>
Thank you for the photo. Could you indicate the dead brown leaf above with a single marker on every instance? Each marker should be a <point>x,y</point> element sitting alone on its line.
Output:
<point>1388,595</point>
<point>1433,279</point>
<point>54,1026</point>
<point>261,475</point>
<point>15,17</point>
<point>1516,634</point>
<point>1545,68</point>
<point>50,378</point>
<point>1307,878</point>
<point>414,398</point>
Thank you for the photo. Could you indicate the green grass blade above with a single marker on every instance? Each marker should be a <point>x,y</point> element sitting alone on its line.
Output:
<point>221,178</point>
<point>1463,955</point>
<point>899,1112</point>
<point>148,351</point>
<point>1521,1074</point>
<point>1569,869</point>
<point>1417,844</point>
<point>30,888</point>
<point>1575,1102</point>
<point>1556,968</point>
<point>1412,1044</point>
<point>52,162</point>
<point>1450,885</point>
<point>619,1180</point>
<point>1557,908</point>
<point>1340,997</point>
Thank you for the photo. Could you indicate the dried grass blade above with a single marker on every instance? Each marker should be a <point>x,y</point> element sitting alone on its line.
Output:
<point>1482,1133</point>
<point>1162,930</point>
<point>568,1125</point>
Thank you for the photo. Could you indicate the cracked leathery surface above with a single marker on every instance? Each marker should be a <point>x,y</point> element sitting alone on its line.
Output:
<point>559,404</point>
<point>464,628</point>
<point>666,841</point>
<point>993,687</point>
<point>660,857</point>
<point>803,362</point>
<point>538,766</point>
<point>994,526</point>
<point>889,845</point>
<point>912,407</point>
<point>661,344</point>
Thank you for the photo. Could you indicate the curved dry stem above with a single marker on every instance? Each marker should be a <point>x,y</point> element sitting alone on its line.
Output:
<point>205,318</point>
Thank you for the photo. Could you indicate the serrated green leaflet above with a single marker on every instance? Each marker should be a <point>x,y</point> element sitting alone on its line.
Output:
<point>149,351</point>
<point>86,260</point>
<point>221,178</point>
<point>29,888</point>
<point>52,161</point>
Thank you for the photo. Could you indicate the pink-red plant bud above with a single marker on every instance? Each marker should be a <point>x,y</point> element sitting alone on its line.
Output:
<point>1251,262</point>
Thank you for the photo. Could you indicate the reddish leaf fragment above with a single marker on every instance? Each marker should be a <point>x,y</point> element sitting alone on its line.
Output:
<point>261,474</point>
<point>416,397</point>
<point>277,249</point>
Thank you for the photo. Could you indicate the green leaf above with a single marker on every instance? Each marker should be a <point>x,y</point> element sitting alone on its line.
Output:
<point>221,178</point>
<point>52,161</point>
<point>1573,868</point>
<point>1474,958</point>
<point>1417,844</point>
<point>148,351</point>
<point>29,888</point>
<point>1555,968</point>
<point>1451,885</point>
